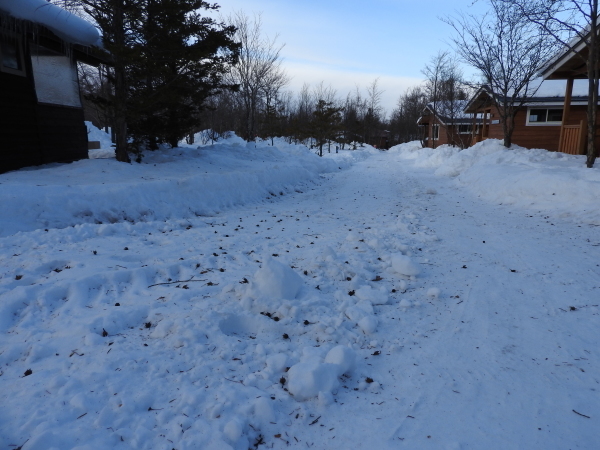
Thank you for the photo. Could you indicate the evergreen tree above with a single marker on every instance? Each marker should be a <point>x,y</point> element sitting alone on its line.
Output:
<point>183,58</point>
<point>325,123</point>
<point>118,20</point>
<point>166,60</point>
<point>272,122</point>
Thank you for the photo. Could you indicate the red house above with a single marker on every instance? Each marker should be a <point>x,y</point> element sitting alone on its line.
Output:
<point>447,123</point>
<point>541,122</point>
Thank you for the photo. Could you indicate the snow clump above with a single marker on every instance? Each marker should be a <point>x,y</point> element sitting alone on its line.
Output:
<point>433,292</point>
<point>318,379</point>
<point>307,379</point>
<point>344,357</point>
<point>375,296</point>
<point>404,265</point>
<point>277,280</point>
<point>368,324</point>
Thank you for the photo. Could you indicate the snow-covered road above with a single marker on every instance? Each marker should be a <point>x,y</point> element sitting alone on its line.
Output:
<point>179,333</point>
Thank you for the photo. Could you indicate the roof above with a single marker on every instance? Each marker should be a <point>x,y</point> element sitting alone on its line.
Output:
<point>54,27</point>
<point>546,92</point>
<point>444,111</point>
<point>570,62</point>
<point>67,26</point>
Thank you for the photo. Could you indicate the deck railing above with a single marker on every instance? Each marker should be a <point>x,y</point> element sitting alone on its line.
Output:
<point>572,138</point>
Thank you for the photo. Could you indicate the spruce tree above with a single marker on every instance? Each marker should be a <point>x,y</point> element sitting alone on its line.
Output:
<point>325,123</point>
<point>183,57</point>
<point>166,60</point>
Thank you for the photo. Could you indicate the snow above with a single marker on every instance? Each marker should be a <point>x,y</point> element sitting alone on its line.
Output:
<point>433,292</point>
<point>68,26</point>
<point>557,88</point>
<point>404,265</point>
<point>278,281</point>
<point>95,134</point>
<point>533,179</point>
<point>343,357</point>
<point>309,379</point>
<point>105,191</point>
<point>237,296</point>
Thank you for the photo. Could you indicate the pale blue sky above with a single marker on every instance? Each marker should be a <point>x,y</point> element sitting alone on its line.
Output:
<point>350,42</point>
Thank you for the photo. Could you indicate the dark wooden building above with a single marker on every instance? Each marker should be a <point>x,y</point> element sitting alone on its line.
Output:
<point>41,114</point>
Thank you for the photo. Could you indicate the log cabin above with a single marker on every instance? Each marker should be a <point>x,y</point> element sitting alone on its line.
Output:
<point>540,121</point>
<point>571,64</point>
<point>447,123</point>
<point>555,118</point>
<point>41,114</point>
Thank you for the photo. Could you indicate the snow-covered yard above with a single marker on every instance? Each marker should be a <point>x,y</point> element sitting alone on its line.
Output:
<point>241,296</point>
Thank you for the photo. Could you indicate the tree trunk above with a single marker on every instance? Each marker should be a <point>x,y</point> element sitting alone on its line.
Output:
<point>592,67</point>
<point>120,88</point>
<point>508,125</point>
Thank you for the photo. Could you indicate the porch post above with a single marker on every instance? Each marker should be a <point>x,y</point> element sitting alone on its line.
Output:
<point>566,112</point>
<point>474,129</point>
<point>484,133</point>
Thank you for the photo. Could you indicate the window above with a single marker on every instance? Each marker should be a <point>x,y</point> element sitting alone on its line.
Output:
<point>11,56</point>
<point>544,116</point>
<point>435,132</point>
<point>465,129</point>
<point>55,77</point>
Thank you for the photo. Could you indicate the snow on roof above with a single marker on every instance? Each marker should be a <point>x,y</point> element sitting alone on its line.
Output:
<point>573,47</point>
<point>542,91</point>
<point>67,26</point>
<point>446,109</point>
<point>556,88</point>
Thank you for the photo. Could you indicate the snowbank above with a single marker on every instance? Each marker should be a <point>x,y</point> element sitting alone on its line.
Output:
<point>106,149</point>
<point>535,179</point>
<point>175,183</point>
<point>96,134</point>
<point>406,148</point>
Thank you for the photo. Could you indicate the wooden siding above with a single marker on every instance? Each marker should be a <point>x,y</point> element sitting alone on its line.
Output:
<point>19,138</point>
<point>32,133</point>
<point>538,136</point>
<point>461,140</point>
<point>64,133</point>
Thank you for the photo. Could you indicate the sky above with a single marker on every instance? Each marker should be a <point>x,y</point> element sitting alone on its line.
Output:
<point>349,43</point>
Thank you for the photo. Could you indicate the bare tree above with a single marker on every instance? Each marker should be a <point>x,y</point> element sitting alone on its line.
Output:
<point>452,96</point>
<point>565,20</point>
<point>258,69</point>
<point>445,88</point>
<point>435,73</point>
<point>374,114</point>
<point>403,122</point>
<point>374,94</point>
<point>507,50</point>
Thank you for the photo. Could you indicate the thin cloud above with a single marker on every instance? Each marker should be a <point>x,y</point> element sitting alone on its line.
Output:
<point>344,81</point>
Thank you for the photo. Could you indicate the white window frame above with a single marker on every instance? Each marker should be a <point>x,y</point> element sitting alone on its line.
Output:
<point>543,124</point>
<point>435,131</point>
<point>20,56</point>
